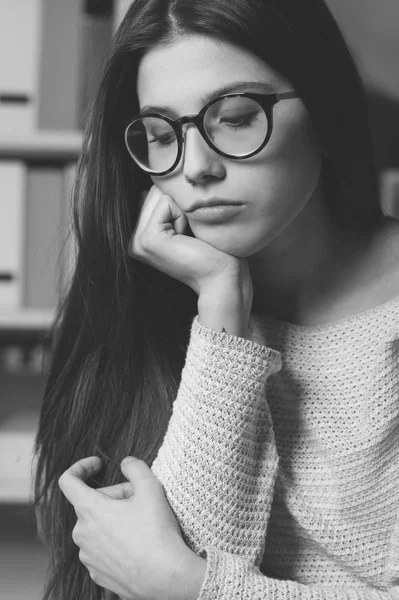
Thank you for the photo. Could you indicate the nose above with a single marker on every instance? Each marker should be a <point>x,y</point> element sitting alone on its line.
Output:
<point>200,162</point>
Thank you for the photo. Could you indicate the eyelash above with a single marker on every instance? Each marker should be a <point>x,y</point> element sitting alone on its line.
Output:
<point>247,122</point>
<point>154,141</point>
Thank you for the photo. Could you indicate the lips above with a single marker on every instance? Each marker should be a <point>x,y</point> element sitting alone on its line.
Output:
<point>212,202</point>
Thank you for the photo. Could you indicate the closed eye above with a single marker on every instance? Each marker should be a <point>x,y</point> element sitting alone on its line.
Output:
<point>163,140</point>
<point>240,122</point>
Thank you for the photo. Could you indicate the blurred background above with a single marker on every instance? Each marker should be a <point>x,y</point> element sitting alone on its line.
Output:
<point>51,54</point>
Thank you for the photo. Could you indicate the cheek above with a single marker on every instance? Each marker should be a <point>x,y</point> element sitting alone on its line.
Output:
<point>292,168</point>
<point>302,157</point>
<point>288,177</point>
<point>170,186</point>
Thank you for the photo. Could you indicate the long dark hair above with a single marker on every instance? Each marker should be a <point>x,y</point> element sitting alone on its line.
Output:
<point>122,330</point>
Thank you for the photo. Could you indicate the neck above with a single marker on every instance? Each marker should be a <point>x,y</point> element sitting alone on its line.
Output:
<point>300,264</point>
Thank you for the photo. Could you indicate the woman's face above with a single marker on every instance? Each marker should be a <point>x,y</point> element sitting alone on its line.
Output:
<point>274,186</point>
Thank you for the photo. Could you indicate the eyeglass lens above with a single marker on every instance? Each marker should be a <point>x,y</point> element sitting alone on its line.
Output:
<point>236,126</point>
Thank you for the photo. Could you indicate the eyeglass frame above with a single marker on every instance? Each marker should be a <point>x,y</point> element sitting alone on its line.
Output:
<point>266,101</point>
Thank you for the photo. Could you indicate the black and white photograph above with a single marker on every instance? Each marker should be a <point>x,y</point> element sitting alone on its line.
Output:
<point>199,299</point>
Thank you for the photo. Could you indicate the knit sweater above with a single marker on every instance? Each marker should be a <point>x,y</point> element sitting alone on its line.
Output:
<point>281,458</point>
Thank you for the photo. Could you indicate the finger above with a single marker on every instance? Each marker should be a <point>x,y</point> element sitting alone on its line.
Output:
<point>120,491</point>
<point>168,216</point>
<point>72,481</point>
<point>160,215</point>
<point>161,246</point>
<point>138,472</point>
<point>161,212</point>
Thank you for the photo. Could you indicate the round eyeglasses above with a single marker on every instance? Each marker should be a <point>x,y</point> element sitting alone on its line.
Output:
<point>236,126</point>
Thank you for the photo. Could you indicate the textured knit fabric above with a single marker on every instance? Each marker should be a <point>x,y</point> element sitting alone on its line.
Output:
<point>281,458</point>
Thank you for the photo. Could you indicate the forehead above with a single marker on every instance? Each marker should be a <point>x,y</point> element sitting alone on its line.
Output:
<point>180,73</point>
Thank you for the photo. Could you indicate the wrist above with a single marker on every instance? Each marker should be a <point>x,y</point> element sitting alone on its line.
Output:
<point>188,577</point>
<point>221,311</point>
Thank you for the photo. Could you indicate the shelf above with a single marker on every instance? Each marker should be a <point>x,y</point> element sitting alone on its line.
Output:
<point>16,469</point>
<point>26,319</point>
<point>49,145</point>
<point>25,325</point>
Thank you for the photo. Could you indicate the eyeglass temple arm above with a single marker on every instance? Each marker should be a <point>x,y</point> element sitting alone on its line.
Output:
<point>286,95</point>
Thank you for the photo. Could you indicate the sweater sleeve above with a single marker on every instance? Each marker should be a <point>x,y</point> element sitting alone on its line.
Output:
<point>218,459</point>
<point>229,577</point>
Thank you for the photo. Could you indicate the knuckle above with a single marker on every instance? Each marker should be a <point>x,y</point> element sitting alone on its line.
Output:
<point>93,575</point>
<point>134,249</point>
<point>141,245</point>
<point>147,240</point>
<point>139,255</point>
<point>75,535</point>
<point>84,510</point>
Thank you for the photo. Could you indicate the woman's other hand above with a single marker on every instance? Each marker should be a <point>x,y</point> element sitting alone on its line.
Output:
<point>129,539</point>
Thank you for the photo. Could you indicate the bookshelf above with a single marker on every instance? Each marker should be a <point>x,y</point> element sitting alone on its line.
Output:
<point>56,68</point>
<point>62,146</point>
<point>25,325</point>
<point>15,481</point>
<point>51,146</point>
<point>52,56</point>
<point>26,318</point>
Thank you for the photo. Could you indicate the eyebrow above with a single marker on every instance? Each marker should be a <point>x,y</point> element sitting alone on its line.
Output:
<point>238,86</point>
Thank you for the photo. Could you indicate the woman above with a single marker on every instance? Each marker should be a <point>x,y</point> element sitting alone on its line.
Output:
<point>268,328</point>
